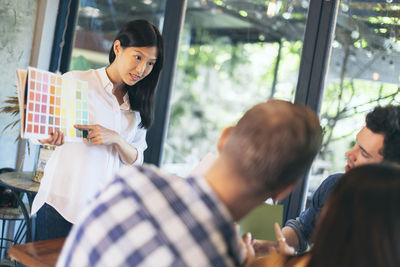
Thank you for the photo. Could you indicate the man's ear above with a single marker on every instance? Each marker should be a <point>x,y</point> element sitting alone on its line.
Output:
<point>281,194</point>
<point>223,137</point>
<point>117,47</point>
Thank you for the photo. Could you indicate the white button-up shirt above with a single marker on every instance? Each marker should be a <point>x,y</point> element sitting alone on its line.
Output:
<point>76,171</point>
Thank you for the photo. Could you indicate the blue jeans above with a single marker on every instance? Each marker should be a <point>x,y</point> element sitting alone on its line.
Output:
<point>50,224</point>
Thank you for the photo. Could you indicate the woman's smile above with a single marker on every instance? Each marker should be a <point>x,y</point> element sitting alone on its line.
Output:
<point>134,77</point>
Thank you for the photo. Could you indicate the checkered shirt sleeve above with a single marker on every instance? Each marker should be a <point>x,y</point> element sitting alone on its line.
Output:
<point>145,218</point>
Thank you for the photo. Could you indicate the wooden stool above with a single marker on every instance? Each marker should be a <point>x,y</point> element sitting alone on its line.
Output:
<point>9,217</point>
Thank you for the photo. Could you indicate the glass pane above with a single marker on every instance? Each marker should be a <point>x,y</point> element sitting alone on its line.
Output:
<point>232,55</point>
<point>364,72</point>
<point>99,22</point>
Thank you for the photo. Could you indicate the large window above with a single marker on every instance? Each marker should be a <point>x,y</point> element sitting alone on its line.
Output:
<point>232,55</point>
<point>364,72</point>
<point>99,22</point>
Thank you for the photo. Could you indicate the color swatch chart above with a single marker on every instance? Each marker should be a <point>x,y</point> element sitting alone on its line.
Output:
<point>55,103</point>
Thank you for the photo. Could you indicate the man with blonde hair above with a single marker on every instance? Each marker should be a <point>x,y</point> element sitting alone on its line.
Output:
<point>146,217</point>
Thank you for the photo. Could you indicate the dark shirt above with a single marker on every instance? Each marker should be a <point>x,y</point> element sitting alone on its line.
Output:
<point>305,223</point>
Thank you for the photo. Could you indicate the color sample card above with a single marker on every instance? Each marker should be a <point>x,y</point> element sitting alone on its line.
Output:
<point>55,103</point>
<point>260,221</point>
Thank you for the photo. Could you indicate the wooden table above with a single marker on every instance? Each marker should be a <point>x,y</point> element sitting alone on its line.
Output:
<point>21,182</point>
<point>38,254</point>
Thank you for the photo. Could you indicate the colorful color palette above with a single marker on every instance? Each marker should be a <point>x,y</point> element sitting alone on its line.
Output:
<point>55,103</point>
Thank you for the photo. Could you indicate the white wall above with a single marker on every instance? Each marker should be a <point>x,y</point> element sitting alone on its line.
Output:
<point>17,22</point>
<point>24,41</point>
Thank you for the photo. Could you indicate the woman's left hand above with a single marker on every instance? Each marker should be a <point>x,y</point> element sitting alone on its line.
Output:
<point>98,135</point>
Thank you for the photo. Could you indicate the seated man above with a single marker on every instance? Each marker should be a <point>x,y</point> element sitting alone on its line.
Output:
<point>146,217</point>
<point>379,140</point>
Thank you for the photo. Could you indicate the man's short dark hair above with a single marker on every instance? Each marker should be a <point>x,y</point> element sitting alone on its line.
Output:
<point>386,121</point>
<point>273,144</point>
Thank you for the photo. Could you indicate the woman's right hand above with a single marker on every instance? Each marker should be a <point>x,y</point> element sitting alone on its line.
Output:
<point>56,139</point>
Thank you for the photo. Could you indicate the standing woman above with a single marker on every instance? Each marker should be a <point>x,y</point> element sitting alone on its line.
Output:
<point>121,100</point>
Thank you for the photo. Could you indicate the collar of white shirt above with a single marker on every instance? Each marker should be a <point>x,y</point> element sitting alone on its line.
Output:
<point>108,86</point>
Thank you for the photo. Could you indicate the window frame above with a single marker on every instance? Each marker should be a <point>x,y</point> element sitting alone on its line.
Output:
<point>315,56</point>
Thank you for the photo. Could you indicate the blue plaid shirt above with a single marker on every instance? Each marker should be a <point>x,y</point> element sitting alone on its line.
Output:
<point>146,218</point>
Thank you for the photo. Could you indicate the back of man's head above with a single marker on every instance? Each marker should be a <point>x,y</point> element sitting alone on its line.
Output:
<point>386,121</point>
<point>273,145</point>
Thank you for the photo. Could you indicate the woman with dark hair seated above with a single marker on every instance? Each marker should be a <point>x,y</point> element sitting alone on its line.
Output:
<point>360,225</point>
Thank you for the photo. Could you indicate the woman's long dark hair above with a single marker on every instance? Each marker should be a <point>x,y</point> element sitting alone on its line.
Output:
<point>140,33</point>
<point>361,224</point>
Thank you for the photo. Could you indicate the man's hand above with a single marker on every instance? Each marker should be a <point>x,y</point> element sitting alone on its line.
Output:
<point>246,251</point>
<point>263,247</point>
<point>283,247</point>
<point>250,254</point>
